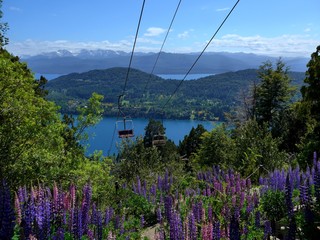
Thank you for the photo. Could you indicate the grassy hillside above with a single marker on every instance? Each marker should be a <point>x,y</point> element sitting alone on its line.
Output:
<point>205,98</point>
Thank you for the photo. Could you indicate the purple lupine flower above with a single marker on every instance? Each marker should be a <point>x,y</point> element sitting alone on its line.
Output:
<point>303,194</point>
<point>288,195</point>
<point>317,184</point>
<point>87,192</point>
<point>22,195</point>
<point>77,227</point>
<point>59,234</point>
<point>122,225</point>
<point>242,198</point>
<point>93,219</point>
<point>192,227</point>
<point>159,215</point>
<point>234,229</point>
<point>159,183</point>
<point>207,231</point>
<point>98,223</point>
<point>199,211</point>
<point>267,230</point>
<point>210,214</point>
<point>160,234</point>
<point>73,191</point>
<point>18,209</point>
<point>208,190</point>
<point>176,229</point>
<point>27,219</point>
<point>168,206</point>
<point>216,230</point>
<point>47,218</point>
<point>90,234</point>
<point>142,222</point>
<point>117,222</point>
<point>108,215</point>
<point>257,219</point>
<point>7,216</point>
<point>39,208</point>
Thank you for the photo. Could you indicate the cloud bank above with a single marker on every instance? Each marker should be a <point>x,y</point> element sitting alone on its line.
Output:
<point>285,45</point>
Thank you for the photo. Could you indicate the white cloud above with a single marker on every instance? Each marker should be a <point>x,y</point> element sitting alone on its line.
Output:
<point>154,31</point>
<point>183,35</point>
<point>33,47</point>
<point>16,9</point>
<point>222,9</point>
<point>285,45</point>
<point>307,29</point>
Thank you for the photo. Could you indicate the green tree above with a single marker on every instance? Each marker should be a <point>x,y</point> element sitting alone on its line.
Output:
<point>35,144</point>
<point>3,29</point>
<point>31,145</point>
<point>217,148</point>
<point>153,128</point>
<point>191,142</point>
<point>256,150</point>
<point>272,96</point>
<point>310,142</point>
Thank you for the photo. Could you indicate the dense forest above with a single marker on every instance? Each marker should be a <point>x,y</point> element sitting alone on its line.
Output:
<point>206,98</point>
<point>258,179</point>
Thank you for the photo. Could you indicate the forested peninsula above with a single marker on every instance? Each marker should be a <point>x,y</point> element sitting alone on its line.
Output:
<point>207,98</point>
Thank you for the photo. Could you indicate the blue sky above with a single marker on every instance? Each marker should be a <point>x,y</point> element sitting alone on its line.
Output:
<point>273,27</point>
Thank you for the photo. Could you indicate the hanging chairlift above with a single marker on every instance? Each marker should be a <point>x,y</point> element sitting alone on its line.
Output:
<point>158,140</point>
<point>125,128</point>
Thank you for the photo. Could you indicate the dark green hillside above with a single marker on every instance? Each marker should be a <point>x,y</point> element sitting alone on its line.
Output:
<point>206,98</point>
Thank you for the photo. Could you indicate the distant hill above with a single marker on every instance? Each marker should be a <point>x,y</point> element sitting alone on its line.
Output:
<point>205,98</point>
<point>64,62</point>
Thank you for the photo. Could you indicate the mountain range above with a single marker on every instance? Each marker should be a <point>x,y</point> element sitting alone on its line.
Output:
<point>65,62</point>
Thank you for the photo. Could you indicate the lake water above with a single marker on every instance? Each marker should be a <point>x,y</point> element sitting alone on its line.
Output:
<point>100,136</point>
<point>181,76</point>
<point>49,76</point>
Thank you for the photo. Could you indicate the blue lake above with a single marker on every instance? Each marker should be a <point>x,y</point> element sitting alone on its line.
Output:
<point>181,76</point>
<point>49,76</point>
<point>100,136</point>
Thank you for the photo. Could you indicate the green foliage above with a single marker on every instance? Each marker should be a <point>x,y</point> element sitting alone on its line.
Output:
<point>204,99</point>
<point>134,159</point>
<point>35,144</point>
<point>153,128</point>
<point>89,115</point>
<point>273,95</point>
<point>137,205</point>
<point>311,103</point>
<point>190,144</point>
<point>217,148</point>
<point>274,205</point>
<point>3,29</point>
<point>97,173</point>
<point>256,149</point>
<point>31,146</point>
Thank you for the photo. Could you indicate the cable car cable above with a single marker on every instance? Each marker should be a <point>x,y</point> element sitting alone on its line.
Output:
<point>134,45</point>
<point>213,36</point>
<point>158,55</point>
<point>127,75</point>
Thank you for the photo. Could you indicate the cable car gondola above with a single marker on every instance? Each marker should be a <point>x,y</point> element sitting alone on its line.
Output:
<point>159,140</point>
<point>125,128</point>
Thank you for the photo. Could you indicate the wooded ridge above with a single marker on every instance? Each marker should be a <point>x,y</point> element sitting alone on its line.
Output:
<point>204,98</point>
